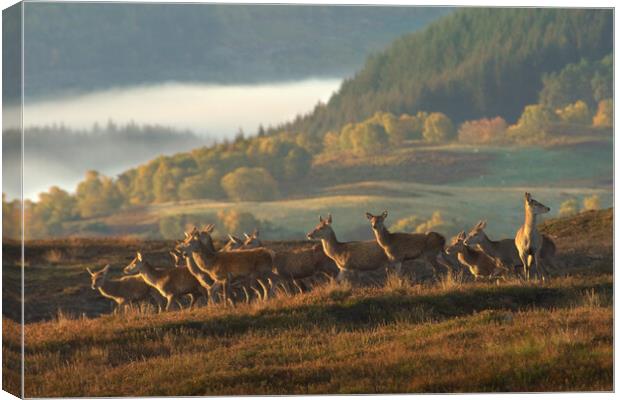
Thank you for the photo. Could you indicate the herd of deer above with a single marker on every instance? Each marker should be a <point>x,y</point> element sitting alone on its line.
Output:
<point>248,268</point>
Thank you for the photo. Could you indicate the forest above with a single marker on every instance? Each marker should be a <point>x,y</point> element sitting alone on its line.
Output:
<point>78,47</point>
<point>474,63</point>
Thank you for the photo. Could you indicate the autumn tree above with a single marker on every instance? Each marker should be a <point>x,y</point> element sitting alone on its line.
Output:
<point>438,128</point>
<point>250,184</point>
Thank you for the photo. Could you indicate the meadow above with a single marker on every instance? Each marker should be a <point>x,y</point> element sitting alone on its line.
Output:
<point>403,336</point>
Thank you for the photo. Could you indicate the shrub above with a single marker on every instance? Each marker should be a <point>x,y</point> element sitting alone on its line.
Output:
<point>532,125</point>
<point>368,138</point>
<point>576,113</point>
<point>483,131</point>
<point>438,128</point>
<point>568,208</point>
<point>204,185</point>
<point>604,114</point>
<point>250,184</point>
<point>591,203</point>
<point>233,221</point>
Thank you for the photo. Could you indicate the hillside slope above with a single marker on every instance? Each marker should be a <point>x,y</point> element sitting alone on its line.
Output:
<point>471,64</point>
<point>88,46</point>
<point>450,336</point>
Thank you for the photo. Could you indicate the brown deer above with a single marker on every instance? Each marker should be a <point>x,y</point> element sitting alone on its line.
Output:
<point>350,257</point>
<point>478,263</point>
<point>399,246</point>
<point>505,251</point>
<point>528,240</point>
<point>170,283</point>
<point>122,291</point>
<point>226,266</point>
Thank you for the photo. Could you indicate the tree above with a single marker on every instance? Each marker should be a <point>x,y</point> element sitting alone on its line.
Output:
<point>250,184</point>
<point>368,138</point>
<point>591,203</point>
<point>438,128</point>
<point>97,195</point>
<point>297,163</point>
<point>533,124</point>
<point>483,131</point>
<point>568,208</point>
<point>205,185</point>
<point>576,113</point>
<point>604,114</point>
<point>236,222</point>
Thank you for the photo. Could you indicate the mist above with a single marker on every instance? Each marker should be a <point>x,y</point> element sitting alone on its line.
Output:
<point>215,111</point>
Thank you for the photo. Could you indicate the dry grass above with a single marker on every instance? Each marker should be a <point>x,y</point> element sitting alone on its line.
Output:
<point>340,339</point>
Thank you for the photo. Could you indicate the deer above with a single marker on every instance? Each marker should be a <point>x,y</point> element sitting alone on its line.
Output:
<point>234,243</point>
<point>477,262</point>
<point>296,263</point>
<point>400,246</point>
<point>171,283</point>
<point>203,279</point>
<point>122,291</point>
<point>350,257</point>
<point>528,240</point>
<point>505,250</point>
<point>226,266</point>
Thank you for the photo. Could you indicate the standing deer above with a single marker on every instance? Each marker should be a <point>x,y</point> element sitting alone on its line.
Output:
<point>399,246</point>
<point>478,263</point>
<point>505,250</point>
<point>350,257</point>
<point>528,240</point>
<point>122,291</point>
<point>171,283</point>
<point>225,266</point>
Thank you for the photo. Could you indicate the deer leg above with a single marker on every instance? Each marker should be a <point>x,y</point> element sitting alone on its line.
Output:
<point>192,300</point>
<point>526,266</point>
<point>540,267</point>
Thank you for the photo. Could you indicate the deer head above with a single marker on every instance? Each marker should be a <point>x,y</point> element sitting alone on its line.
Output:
<point>476,235</point>
<point>97,279</point>
<point>456,244</point>
<point>376,221</point>
<point>135,265</point>
<point>252,241</point>
<point>322,230</point>
<point>534,206</point>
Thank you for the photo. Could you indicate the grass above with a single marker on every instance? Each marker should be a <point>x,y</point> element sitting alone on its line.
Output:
<point>340,339</point>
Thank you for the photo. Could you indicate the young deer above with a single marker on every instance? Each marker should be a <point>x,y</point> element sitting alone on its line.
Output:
<point>350,257</point>
<point>171,283</point>
<point>399,246</point>
<point>225,266</point>
<point>122,291</point>
<point>505,250</point>
<point>478,263</point>
<point>528,240</point>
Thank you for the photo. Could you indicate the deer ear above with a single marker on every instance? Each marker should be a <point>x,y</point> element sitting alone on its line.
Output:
<point>461,235</point>
<point>106,268</point>
<point>246,235</point>
<point>320,218</point>
<point>186,235</point>
<point>368,215</point>
<point>528,196</point>
<point>255,232</point>
<point>384,215</point>
<point>139,256</point>
<point>89,271</point>
<point>329,218</point>
<point>483,224</point>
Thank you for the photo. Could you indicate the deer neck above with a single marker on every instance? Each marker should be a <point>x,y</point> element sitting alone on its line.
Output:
<point>382,235</point>
<point>203,258</point>
<point>110,289</point>
<point>530,222</point>
<point>150,274</point>
<point>331,246</point>
<point>467,256</point>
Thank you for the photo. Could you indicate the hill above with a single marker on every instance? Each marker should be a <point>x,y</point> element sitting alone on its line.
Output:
<point>447,336</point>
<point>473,63</point>
<point>78,47</point>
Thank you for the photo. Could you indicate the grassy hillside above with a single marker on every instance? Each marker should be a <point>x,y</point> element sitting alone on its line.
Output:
<point>77,47</point>
<point>477,62</point>
<point>446,336</point>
